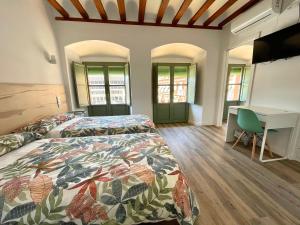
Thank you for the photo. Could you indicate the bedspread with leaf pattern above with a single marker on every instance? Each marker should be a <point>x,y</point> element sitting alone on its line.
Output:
<point>110,180</point>
<point>104,125</point>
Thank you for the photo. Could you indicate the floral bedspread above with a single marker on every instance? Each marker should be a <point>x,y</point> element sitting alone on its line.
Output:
<point>104,125</point>
<point>110,180</point>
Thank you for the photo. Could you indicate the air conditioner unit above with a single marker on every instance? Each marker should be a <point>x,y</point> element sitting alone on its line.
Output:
<point>260,13</point>
<point>290,15</point>
<point>279,6</point>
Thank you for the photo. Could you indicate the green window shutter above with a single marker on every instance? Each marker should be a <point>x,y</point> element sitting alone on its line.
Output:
<point>81,85</point>
<point>127,84</point>
<point>245,83</point>
<point>154,83</point>
<point>192,83</point>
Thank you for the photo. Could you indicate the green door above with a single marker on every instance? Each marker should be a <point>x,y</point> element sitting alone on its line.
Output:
<point>171,84</point>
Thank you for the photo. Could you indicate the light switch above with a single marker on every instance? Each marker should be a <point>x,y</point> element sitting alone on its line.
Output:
<point>58,101</point>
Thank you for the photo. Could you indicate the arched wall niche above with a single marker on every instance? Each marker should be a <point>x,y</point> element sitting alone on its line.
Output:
<point>185,53</point>
<point>91,51</point>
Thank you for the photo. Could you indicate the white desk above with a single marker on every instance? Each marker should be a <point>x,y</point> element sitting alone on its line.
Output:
<point>272,119</point>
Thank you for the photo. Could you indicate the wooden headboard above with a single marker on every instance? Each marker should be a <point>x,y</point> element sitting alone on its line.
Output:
<point>21,104</point>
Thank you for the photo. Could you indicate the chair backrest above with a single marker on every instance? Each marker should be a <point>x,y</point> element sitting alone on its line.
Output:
<point>248,121</point>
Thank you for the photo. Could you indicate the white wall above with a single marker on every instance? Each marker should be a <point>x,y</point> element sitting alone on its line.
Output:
<point>141,40</point>
<point>26,40</point>
<point>275,84</point>
<point>196,110</point>
<point>232,60</point>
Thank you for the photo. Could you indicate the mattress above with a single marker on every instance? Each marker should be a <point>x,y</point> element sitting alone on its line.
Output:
<point>112,180</point>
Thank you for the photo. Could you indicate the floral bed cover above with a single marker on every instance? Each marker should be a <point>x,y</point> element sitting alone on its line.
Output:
<point>103,125</point>
<point>110,180</point>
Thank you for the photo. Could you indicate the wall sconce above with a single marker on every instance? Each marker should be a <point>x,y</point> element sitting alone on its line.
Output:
<point>52,59</point>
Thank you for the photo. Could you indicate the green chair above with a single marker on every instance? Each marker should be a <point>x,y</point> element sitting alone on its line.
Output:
<point>247,120</point>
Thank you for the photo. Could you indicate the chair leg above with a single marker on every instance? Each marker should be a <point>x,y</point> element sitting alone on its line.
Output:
<point>269,148</point>
<point>253,147</point>
<point>239,138</point>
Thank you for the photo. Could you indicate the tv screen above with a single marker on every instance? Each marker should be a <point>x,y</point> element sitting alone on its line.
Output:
<point>281,44</point>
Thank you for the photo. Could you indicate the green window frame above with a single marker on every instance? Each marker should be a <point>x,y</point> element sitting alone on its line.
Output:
<point>102,90</point>
<point>242,84</point>
<point>108,85</point>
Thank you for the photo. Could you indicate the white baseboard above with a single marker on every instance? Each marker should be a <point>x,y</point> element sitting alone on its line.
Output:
<point>295,156</point>
<point>199,123</point>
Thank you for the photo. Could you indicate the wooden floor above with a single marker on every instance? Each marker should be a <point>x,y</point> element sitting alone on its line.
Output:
<point>230,188</point>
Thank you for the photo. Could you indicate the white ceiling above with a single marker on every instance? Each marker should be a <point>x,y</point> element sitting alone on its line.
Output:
<point>243,52</point>
<point>152,7</point>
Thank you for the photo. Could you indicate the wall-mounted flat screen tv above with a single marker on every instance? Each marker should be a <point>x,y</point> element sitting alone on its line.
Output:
<point>279,45</point>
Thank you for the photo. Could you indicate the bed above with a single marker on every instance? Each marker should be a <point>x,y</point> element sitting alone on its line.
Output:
<point>110,180</point>
<point>103,125</point>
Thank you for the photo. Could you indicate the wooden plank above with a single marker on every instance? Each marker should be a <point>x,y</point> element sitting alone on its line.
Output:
<point>137,23</point>
<point>201,11</point>
<point>142,9</point>
<point>238,12</point>
<point>181,11</point>
<point>80,9</point>
<point>59,8</point>
<point>161,11</point>
<point>100,9</point>
<point>228,181</point>
<point>122,10</point>
<point>25,103</point>
<point>219,12</point>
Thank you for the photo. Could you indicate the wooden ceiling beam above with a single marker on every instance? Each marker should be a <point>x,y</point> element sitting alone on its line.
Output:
<point>201,11</point>
<point>100,9</point>
<point>142,9</point>
<point>136,23</point>
<point>80,9</point>
<point>122,10</point>
<point>238,12</point>
<point>219,12</point>
<point>181,11</point>
<point>59,8</point>
<point>161,11</point>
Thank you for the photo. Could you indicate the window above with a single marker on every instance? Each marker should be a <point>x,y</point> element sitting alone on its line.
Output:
<point>164,78</point>
<point>172,83</point>
<point>104,88</point>
<point>116,77</point>
<point>238,81</point>
<point>180,84</point>
<point>107,84</point>
<point>96,84</point>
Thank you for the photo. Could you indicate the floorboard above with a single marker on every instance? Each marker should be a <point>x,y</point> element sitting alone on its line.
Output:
<point>231,188</point>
